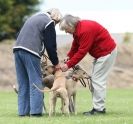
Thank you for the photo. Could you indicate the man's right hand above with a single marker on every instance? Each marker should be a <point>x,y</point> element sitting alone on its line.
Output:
<point>57,67</point>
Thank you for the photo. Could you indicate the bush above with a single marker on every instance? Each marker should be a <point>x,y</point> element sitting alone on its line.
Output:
<point>12,13</point>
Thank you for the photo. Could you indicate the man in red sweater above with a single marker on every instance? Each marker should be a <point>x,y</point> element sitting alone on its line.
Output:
<point>90,37</point>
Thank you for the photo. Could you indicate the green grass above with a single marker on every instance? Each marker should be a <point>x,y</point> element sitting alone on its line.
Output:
<point>119,107</point>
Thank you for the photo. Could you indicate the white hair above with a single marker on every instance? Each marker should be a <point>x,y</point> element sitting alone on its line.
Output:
<point>68,21</point>
<point>55,14</point>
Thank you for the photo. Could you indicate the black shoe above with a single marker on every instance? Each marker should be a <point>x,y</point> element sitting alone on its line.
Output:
<point>94,112</point>
<point>36,115</point>
<point>27,115</point>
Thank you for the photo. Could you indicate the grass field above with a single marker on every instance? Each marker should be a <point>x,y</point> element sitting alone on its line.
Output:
<point>119,109</point>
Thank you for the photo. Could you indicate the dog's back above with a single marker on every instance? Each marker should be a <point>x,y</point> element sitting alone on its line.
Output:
<point>59,80</point>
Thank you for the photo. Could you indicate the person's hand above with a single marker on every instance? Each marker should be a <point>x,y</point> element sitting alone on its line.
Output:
<point>66,59</point>
<point>57,67</point>
<point>64,67</point>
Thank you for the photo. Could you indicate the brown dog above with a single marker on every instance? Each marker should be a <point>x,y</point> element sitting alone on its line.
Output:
<point>58,90</point>
<point>72,78</point>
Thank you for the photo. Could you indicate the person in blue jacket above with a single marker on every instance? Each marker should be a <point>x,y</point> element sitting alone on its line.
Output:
<point>37,34</point>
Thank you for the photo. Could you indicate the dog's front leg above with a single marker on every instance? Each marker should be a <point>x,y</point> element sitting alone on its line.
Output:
<point>74,103</point>
<point>67,105</point>
<point>54,104</point>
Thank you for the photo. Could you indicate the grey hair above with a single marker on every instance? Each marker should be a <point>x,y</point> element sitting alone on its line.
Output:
<point>68,21</point>
<point>55,14</point>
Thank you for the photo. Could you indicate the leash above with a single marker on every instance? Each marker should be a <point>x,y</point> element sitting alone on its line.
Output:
<point>46,57</point>
<point>89,83</point>
<point>82,82</point>
<point>16,91</point>
<point>44,60</point>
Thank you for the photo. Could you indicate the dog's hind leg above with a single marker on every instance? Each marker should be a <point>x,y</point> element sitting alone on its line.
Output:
<point>54,105</point>
<point>64,96</point>
<point>44,106</point>
<point>66,102</point>
<point>62,106</point>
<point>52,102</point>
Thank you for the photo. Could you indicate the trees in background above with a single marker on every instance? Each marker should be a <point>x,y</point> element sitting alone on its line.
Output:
<point>127,37</point>
<point>13,14</point>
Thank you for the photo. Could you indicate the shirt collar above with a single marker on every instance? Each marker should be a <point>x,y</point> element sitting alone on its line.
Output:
<point>76,28</point>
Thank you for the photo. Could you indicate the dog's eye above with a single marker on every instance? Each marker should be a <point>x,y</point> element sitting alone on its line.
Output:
<point>84,73</point>
<point>46,69</point>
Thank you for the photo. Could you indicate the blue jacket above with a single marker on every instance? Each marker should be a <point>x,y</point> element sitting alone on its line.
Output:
<point>38,33</point>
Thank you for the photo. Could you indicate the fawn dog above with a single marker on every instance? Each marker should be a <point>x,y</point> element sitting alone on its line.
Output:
<point>72,78</point>
<point>58,90</point>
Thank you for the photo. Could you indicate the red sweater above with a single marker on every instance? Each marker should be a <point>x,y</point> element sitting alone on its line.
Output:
<point>89,37</point>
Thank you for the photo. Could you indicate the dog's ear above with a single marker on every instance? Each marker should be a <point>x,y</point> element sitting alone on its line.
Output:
<point>53,67</point>
<point>77,67</point>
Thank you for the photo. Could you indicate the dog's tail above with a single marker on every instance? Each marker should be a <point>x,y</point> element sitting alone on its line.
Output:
<point>41,89</point>
<point>14,88</point>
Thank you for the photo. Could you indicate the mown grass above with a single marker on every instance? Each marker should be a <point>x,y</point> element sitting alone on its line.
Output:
<point>119,109</point>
